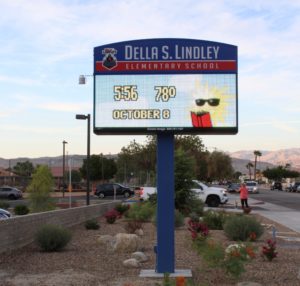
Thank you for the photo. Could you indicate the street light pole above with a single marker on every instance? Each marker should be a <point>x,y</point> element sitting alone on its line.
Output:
<point>63,175</point>
<point>88,117</point>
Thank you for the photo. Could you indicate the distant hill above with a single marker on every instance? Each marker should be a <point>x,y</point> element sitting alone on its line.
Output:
<point>239,159</point>
<point>50,161</point>
<point>240,165</point>
<point>279,157</point>
<point>77,161</point>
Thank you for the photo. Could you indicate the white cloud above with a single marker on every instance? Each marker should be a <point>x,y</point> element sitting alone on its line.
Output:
<point>46,44</point>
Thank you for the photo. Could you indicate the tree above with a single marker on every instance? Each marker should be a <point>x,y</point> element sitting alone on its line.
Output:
<point>183,173</point>
<point>219,166</point>
<point>75,176</point>
<point>139,160</point>
<point>24,169</point>
<point>280,172</point>
<point>249,166</point>
<point>39,190</point>
<point>101,168</point>
<point>236,175</point>
<point>194,147</point>
<point>256,154</point>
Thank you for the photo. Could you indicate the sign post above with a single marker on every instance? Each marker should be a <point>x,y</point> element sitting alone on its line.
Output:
<point>165,204</point>
<point>165,87</point>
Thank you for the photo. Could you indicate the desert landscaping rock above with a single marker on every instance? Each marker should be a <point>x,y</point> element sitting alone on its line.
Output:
<point>105,239</point>
<point>93,264</point>
<point>126,242</point>
<point>139,232</point>
<point>131,263</point>
<point>139,256</point>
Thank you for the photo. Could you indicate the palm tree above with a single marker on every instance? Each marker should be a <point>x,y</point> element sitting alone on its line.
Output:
<point>249,166</point>
<point>256,154</point>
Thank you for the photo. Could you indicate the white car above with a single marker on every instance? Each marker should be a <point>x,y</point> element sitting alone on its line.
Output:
<point>4,214</point>
<point>212,196</point>
<point>252,186</point>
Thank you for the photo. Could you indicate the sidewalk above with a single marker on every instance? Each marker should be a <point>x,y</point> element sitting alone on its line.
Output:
<point>285,216</point>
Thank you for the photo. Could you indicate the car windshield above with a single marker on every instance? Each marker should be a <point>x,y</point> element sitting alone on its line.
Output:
<point>197,184</point>
<point>251,184</point>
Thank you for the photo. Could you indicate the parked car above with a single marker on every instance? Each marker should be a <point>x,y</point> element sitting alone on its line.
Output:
<point>233,188</point>
<point>276,186</point>
<point>252,186</point>
<point>10,193</point>
<point>294,187</point>
<point>212,196</point>
<point>138,191</point>
<point>109,189</point>
<point>4,214</point>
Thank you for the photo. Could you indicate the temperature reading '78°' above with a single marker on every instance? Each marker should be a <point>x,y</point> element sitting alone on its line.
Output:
<point>164,93</point>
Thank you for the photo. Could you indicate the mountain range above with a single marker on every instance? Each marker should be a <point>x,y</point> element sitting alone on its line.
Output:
<point>240,159</point>
<point>279,157</point>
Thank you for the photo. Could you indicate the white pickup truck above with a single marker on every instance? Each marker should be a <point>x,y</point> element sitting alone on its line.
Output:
<point>212,196</point>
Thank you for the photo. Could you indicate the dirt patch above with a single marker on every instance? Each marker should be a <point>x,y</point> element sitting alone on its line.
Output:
<point>85,262</point>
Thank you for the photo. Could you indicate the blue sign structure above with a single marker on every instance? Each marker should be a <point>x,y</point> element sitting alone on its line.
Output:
<point>178,86</point>
<point>165,87</point>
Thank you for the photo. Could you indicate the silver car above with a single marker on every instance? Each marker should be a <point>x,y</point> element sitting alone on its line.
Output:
<point>4,214</point>
<point>10,193</point>
<point>252,186</point>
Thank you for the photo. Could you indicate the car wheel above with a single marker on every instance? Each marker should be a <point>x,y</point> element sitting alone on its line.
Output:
<point>213,201</point>
<point>101,195</point>
<point>126,195</point>
<point>12,197</point>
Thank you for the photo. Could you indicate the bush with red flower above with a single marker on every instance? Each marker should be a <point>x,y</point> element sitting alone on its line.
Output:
<point>111,216</point>
<point>198,229</point>
<point>269,251</point>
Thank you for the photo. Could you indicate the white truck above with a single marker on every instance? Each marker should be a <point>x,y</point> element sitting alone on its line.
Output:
<point>212,196</point>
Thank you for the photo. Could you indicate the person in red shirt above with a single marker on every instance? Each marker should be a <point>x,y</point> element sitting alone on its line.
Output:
<point>244,196</point>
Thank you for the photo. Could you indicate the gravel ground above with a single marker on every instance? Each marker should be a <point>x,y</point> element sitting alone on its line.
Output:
<point>85,262</point>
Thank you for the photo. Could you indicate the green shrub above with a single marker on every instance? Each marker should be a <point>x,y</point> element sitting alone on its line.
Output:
<point>179,219</point>
<point>4,205</point>
<point>21,210</point>
<point>152,198</point>
<point>240,227</point>
<point>214,220</point>
<point>196,206</point>
<point>92,224</point>
<point>194,217</point>
<point>121,208</point>
<point>52,237</point>
<point>142,211</point>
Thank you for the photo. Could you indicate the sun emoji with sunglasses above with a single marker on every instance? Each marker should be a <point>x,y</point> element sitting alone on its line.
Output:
<point>210,105</point>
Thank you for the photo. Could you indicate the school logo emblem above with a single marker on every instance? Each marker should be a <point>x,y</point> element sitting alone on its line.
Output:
<point>109,60</point>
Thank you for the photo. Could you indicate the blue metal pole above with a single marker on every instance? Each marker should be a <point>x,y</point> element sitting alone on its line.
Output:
<point>165,203</point>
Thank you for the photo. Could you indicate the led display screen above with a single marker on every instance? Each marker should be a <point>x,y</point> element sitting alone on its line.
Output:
<point>165,85</point>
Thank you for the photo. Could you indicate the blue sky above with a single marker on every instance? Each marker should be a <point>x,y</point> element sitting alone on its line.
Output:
<point>46,45</point>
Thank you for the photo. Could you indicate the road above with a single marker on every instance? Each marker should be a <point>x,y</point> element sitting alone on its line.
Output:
<point>285,199</point>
